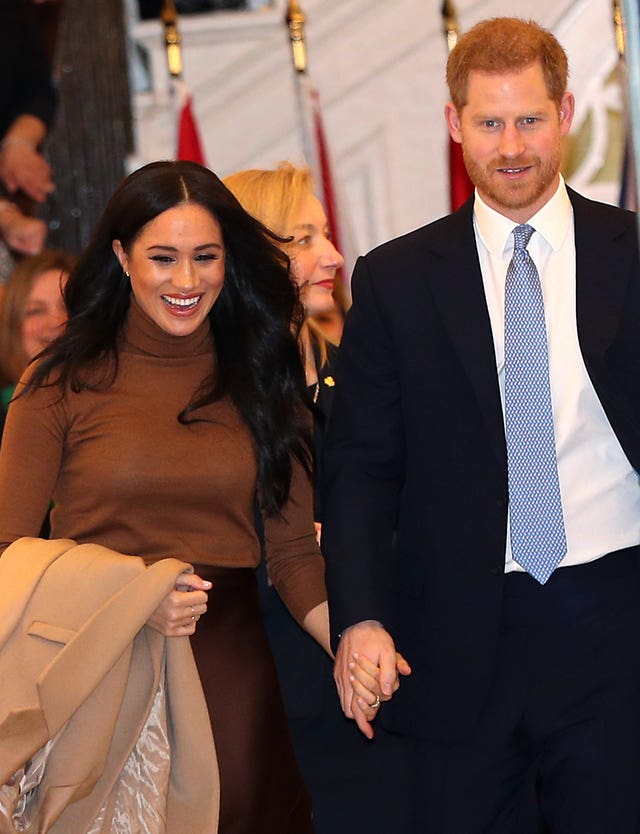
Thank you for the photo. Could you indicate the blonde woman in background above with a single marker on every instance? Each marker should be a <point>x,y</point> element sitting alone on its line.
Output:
<point>353,782</point>
<point>285,202</point>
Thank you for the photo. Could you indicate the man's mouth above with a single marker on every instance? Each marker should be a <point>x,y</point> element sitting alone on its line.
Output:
<point>513,169</point>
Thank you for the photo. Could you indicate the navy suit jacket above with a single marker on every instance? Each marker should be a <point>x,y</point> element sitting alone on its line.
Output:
<point>415,478</point>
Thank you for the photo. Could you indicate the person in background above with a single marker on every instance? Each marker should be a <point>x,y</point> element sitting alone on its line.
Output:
<point>172,405</point>
<point>32,313</point>
<point>284,201</point>
<point>482,498</point>
<point>28,101</point>
<point>353,782</point>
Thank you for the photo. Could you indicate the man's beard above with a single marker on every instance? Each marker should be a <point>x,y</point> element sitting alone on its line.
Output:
<point>512,194</point>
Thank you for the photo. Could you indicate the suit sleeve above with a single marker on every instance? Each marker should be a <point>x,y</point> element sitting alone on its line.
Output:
<point>363,462</point>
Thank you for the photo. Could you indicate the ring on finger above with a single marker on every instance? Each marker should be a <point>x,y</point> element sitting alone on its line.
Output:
<point>376,703</point>
<point>193,613</point>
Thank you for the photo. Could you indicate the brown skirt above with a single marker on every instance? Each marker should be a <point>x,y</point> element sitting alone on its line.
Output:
<point>261,787</point>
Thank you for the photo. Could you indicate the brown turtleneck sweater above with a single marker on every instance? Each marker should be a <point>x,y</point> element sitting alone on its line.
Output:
<point>124,473</point>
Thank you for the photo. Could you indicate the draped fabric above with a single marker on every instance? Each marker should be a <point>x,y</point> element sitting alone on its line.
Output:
<point>92,133</point>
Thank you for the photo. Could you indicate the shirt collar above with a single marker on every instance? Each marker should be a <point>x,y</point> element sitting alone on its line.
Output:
<point>552,222</point>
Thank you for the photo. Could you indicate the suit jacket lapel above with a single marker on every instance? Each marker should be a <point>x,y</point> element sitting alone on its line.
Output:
<point>600,297</point>
<point>458,291</point>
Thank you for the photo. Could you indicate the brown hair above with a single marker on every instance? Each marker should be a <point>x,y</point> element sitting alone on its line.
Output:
<point>13,360</point>
<point>506,44</point>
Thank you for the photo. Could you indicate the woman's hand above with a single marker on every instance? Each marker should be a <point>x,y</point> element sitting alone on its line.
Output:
<point>367,688</point>
<point>180,610</point>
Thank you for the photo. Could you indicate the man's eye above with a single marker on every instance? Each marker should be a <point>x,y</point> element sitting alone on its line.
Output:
<point>303,241</point>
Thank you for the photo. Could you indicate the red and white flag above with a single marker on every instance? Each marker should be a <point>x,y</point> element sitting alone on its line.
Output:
<point>189,143</point>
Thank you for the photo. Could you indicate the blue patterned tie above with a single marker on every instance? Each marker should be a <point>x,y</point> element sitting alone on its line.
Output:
<point>538,540</point>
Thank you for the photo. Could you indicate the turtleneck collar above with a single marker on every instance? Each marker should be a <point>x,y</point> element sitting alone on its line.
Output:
<point>142,335</point>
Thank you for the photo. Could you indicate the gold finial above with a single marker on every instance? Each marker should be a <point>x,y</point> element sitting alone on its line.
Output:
<point>169,17</point>
<point>618,22</point>
<point>295,21</point>
<point>449,23</point>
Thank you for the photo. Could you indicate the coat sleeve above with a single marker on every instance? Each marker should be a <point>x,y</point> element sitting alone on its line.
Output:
<point>363,462</point>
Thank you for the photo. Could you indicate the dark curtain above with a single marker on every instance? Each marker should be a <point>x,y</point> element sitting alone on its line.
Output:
<point>151,8</point>
<point>92,133</point>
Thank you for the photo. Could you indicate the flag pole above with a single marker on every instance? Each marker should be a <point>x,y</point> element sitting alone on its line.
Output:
<point>628,179</point>
<point>631,44</point>
<point>295,20</point>
<point>189,144</point>
<point>314,142</point>
<point>460,186</point>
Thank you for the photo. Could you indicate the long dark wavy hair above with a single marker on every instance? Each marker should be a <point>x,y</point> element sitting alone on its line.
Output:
<point>258,360</point>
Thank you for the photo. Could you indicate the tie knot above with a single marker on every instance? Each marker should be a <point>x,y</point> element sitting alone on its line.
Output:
<point>522,235</point>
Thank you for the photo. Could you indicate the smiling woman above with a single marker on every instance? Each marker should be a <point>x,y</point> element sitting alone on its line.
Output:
<point>172,407</point>
<point>176,267</point>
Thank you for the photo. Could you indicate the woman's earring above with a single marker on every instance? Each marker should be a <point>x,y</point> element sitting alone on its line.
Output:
<point>126,274</point>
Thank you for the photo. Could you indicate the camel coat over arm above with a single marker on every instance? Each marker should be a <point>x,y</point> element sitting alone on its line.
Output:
<point>80,674</point>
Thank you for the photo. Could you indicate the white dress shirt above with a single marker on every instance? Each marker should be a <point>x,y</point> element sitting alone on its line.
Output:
<point>599,487</point>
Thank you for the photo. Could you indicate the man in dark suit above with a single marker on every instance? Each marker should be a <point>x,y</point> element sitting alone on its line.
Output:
<point>482,506</point>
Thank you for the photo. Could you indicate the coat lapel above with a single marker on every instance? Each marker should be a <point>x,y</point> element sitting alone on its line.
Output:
<point>600,294</point>
<point>458,291</point>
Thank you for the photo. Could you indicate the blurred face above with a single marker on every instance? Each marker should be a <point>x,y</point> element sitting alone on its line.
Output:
<point>314,259</point>
<point>511,134</point>
<point>176,266</point>
<point>44,314</point>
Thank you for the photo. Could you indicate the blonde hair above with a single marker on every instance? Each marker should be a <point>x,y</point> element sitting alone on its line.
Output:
<point>274,197</point>
<point>13,359</point>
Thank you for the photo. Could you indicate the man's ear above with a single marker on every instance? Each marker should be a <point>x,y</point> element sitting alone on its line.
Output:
<point>567,111</point>
<point>121,255</point>
<point>452,118</point>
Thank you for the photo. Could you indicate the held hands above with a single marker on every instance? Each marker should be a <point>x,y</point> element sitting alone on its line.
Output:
<point>180,610</point>
<point>366,672</point>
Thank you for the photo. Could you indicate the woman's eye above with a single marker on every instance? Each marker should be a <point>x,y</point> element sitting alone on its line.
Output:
<point>304,241</point>
<point>207,256</point>
<point>162,259</point>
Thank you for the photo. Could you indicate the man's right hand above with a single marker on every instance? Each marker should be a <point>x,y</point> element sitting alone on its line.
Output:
<point>362,642</point>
